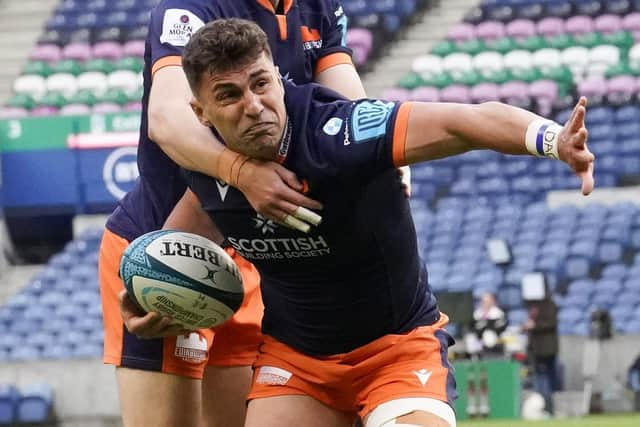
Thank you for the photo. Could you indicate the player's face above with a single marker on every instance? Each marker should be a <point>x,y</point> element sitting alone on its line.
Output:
<point>246,107</point>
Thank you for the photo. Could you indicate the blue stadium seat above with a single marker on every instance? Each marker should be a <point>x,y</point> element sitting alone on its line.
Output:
<point>57,351</point>
<point>56,325</point>
<point>576,268</point>
<point>571,315</point>
<point>40,339</point>
<point>8,400</point>
<point>88,350</point>
<point>25,353</point>
<point>510,297</point>
<point>35,403</point>
<point>517,317</point>
<point>614,271</point>
<point>73,338</point>
<point>610,252</point>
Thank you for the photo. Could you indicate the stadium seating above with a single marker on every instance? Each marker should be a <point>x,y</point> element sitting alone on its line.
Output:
<point>89,48</point>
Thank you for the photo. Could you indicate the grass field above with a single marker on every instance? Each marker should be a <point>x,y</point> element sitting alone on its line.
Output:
<point>632,420</point>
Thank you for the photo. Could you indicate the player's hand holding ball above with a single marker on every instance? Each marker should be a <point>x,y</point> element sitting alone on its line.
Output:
<point>182,282</point>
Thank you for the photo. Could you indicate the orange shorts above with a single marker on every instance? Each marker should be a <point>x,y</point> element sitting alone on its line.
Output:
<point>234,343</point>
<point>414,364</point>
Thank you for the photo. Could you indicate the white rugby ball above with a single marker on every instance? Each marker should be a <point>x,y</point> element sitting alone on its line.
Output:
<point>183,275</point>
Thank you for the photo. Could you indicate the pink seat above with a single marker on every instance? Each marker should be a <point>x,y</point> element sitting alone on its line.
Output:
<point>106,107</point>
<point>396,94</point>
<point>77,51</point>
<point>490,30</point>
<point>579,24</point>
<point>46,52</point>
<point>550,27</point>
<point>13,112</point>
<point>107,50</point>
<point>521,28</point>
<point>631,22</point>
<point>607,24</point>
<point>133,48</point>
<point>133,106</point>
<point>484,92</point>
<point>44,110</point>
<point>425,94</point>
<point>455,93</point>
<point>462,32</point>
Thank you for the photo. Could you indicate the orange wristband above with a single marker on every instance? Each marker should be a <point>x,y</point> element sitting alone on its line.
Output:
<point>226,162</point>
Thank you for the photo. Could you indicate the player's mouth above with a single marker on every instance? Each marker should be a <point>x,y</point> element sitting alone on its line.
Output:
<point>260,128</point>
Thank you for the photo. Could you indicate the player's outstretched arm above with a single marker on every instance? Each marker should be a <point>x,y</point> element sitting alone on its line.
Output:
<point>436,130</point>
<point>271,189</point>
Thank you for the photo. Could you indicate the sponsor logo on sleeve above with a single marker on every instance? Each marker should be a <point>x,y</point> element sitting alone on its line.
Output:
<point>271,375</point>
<point>178,25</point>
<point>369,120</point>
<point>332,126</point>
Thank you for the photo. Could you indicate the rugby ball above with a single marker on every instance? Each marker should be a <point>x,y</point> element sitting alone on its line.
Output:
<point>183,275</point>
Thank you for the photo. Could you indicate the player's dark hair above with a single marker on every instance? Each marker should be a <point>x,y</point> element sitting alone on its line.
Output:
<point>221,46</point>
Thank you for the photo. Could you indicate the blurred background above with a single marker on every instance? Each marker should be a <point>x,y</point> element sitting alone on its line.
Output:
<point>542,285</point>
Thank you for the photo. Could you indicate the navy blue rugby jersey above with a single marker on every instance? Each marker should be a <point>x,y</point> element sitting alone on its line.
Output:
<point>358,275</point>
<point>306,37</point>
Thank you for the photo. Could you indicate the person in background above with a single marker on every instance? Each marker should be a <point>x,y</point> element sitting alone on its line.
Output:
<point>542,329</point>
<point>489,321</point>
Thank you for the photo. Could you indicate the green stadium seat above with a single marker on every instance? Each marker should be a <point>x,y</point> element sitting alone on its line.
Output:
<point>622,39</point>
<point>443,48</point>
<point>469,78</point>
<point>131,64</point>
<point>53,99</point>
<point>532,43</point>
<point>502,45</point>
<point>498,76</point>
<point>86,97</point>
<point>115,96</point>
<point>439,80</point>
<point>411,81</point>
<point>21,100</point>
<point>136,95</point>
<point>100,65</point>
<point>560,42</point>
<point>589,39</point>
<point>67,66</point>
<point>39,68</point>
<point>622,68</point>
<point>526,74</point>
<point>561,74</point>
<point>472,47</point>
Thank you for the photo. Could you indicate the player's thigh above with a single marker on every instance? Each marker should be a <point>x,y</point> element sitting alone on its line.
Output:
<point>294,411</point>
<point>412,412</point>
<point>224,395</point>
<point>157,399</point>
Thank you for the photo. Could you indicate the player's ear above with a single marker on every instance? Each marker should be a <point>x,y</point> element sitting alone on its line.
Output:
<point>199,112</point>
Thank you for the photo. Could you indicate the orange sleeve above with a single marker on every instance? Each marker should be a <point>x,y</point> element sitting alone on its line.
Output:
<point>167,61</point>
<point>331,60</point>
<point>400,133</point>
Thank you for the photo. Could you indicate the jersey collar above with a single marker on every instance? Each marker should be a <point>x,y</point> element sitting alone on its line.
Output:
<point>285,142</point>
<point>267,5</point>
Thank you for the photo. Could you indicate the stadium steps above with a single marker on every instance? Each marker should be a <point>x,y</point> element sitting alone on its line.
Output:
<point>21,22</point>
<point>431,27</point>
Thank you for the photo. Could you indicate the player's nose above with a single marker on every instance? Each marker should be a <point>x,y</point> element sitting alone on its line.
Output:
<point>253,104</point>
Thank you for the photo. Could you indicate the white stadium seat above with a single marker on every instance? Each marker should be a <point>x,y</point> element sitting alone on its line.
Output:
<point>547,58</point>
<point>601,58</point>
<point>487,62</point>
<point>126,80</point>
<point>457,62</point>
<point>94,81</point>
<point>427,65</point>
<point>518,59</point>
<point>63,83</point>
<point>32,85</point>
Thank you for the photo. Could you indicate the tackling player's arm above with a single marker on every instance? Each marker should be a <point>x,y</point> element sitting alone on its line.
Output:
<point>427,131</point>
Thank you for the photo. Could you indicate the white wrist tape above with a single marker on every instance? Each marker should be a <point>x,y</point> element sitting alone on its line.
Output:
<point>542,138</point>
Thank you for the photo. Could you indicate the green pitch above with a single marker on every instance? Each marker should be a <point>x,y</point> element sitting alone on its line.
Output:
<point>592,421</point>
